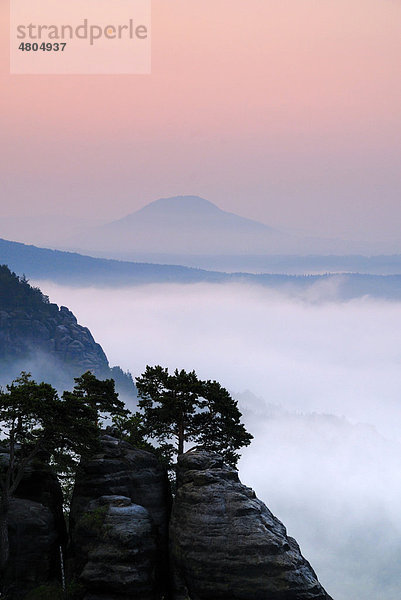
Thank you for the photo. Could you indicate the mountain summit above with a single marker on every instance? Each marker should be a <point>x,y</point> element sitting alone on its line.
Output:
<point>180,204</point>
<point>185,225</point>
<point>187,213</point>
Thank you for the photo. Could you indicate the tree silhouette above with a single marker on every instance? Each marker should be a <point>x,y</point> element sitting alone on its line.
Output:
<point>35,423</point>
<point>180,408</point>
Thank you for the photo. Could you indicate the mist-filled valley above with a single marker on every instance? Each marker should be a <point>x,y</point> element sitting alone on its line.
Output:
<point>318,382</point>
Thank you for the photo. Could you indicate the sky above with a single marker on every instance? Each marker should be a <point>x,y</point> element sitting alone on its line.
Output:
<point>286,112</point>
<point>318,384</point>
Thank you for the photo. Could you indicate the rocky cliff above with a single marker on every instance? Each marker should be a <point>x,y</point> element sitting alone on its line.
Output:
<point>36,532</point>
<point>40,337</point>
<point>225,543</point>
<point>119,524</point>
<point>25,332</point>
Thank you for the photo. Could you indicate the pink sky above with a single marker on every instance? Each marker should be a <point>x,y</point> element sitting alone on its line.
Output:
<point>285,111</point>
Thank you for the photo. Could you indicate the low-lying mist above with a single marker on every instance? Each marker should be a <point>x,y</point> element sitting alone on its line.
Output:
<point>319,384</point>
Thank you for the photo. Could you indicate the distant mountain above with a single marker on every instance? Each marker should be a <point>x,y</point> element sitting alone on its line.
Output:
<point>47,341</point>
<point>183,225</point>
<point>74,269</point>
<point>193,231</point>
<point>182,230</point>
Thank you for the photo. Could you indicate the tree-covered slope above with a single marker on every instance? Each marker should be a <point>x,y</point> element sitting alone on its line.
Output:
<point>75,269</point>
<point>38,336</point>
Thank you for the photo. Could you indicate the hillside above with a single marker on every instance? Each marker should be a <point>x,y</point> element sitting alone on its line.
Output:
<point>39,337</point>
<point>74,269</point>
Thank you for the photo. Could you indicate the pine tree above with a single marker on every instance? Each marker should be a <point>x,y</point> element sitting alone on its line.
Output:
<point>180,408</point>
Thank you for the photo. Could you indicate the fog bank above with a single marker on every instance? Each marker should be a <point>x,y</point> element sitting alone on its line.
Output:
<point>324,406</point>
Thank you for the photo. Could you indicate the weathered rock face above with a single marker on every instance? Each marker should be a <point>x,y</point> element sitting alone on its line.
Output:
<point>119,542</point>
<point>39,337</point>
<point>133,554</point>
<point>36,531</point>
<point>40,485</point>
<point>34,548</point>
<point>226,545</point>
<point>118,469</point>
<point>51,333</point>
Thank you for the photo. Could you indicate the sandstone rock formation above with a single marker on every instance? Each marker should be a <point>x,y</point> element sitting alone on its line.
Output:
<point>226,545</point>
<point>54,333</point>
<point>119,544</point>
<point>130,489</point>
<point>34,548</point>
<point>39,337</point>
<point>36,532</point>
<point>40,485</point>
<point>224,542</point>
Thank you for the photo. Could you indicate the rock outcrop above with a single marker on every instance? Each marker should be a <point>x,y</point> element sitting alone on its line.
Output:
<point>49,329</point>
<point>119,542</point>
<point>56,336</point>
<point>39,337</point>
<point>34,548</point>
<point>127,491</point>
<point>36,532</point>
<point>40,485</point>
<point>225,543</point>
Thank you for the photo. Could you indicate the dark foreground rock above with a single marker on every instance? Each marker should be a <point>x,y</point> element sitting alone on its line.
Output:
<point>120,542</point>
<point>226,545</point>
<point>36,530</point>
<point>122,493</point>
<point>34,548</point>
<point>40,484</point>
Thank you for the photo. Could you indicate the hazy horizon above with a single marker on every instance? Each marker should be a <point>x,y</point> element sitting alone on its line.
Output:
<point>178,233</point>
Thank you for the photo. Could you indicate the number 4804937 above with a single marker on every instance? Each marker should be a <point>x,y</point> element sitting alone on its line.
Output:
<point>45,47</point>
